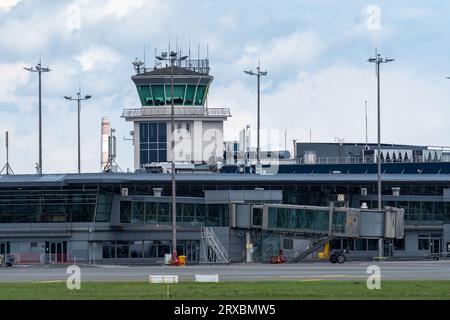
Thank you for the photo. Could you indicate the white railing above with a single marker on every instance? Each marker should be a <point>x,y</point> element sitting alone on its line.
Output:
<point>370,159</point>
<point>179,111</point>
<point>211,249</point>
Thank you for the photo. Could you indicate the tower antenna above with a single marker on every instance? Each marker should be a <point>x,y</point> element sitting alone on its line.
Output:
<point>189,50</point>
<point>144,55</point>
<point>7,168</point>
<point>367,136</point>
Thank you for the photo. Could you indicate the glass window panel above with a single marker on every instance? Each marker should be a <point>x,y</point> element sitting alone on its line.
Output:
<point>188,212</point>
<point>257,216</point>
<point>158,95</point>
<point>151,213</point>
<point>109,251</point>
<point>145,95</point>
<point>424,244</point>
<point>153,132</point>
<point>143,132</point>
<point>138,212</point>
<point>178,93</point>
<point>427,211</point>
<point>136,248</point>
<point>200,95</point>
<point>164,213</point>
<point>125,211</point>
<point>438,211</point>
<point>123,251</point>
<point>190,92</point>
<point>200,212</point>
<point>150,249</point>
<point>414,211</point>
<point>372,244</point>
<point>361,244</point>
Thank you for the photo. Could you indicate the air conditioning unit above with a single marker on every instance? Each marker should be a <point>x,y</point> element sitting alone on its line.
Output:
<point>364,192</point>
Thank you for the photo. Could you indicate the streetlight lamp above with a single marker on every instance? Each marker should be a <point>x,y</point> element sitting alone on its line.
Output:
<point>78,99</point>
<point>39,70</point>
<point>378,61</point>
<point>173,59</point>
<point>258,75</point>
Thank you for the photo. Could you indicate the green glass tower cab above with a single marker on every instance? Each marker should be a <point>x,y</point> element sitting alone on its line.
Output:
<point>198,128</point>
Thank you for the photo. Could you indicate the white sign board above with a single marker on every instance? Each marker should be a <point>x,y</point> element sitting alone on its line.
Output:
<point>207,278</point>
<point>163,279</point>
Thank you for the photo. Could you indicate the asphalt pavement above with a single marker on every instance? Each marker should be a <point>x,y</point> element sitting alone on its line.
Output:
<point>311,271</point>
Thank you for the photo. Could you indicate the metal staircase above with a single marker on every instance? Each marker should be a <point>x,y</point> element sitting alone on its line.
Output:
<point>303,254</point>
<point>212,250</point>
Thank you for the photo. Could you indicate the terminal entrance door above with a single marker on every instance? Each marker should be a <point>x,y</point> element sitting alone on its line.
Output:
<point>56,251</point>
<point>436,245</point>
<point>4,248</point>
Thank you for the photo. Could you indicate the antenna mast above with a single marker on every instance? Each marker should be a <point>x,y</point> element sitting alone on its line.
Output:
<point>367,136</point>
<point>7,168</point>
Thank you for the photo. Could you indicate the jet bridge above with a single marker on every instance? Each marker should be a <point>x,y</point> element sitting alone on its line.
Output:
<point>319,224</point>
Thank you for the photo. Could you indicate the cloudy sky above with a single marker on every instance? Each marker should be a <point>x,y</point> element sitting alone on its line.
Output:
<point>315,53</point>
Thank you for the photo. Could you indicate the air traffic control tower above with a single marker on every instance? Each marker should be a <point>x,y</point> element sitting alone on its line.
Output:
<point>198,128</point>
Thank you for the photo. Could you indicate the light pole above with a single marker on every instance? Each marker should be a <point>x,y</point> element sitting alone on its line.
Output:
<point>173,58</point>
<point>78,99</point>
<point>258,75</point>
<point>378,60</point>
<point>39,69</point>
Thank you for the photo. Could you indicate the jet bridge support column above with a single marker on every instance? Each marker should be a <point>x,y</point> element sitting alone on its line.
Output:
<point>248,247</point>
<point>330,219</point>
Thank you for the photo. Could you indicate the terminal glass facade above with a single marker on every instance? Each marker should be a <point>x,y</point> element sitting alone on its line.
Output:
<point>188,214</point>
<point>54,205</point>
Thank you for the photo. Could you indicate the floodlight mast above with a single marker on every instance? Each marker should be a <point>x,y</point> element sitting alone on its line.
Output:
<point>39,70</point>
<point>78,99</point>
<point>378,60</point>
<point>173,59</point>
<point>258,75</point>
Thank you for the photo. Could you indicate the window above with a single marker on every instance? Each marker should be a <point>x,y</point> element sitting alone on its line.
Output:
<point>424,242</point>
<point>145,95</point>
<point>257,216</point>
<point>361,244</point>
<point>136,249</point>
<point>158,95</point>
<point>372,244</point>
<point>288,244</point>
<point>336,244</point>
<point>399,244</point>
<point>178,93</point>
<point>125,211</point>
<point>153,142</point>
<point>189,98</point>
<point>200,95</point>
<point>448,246</point>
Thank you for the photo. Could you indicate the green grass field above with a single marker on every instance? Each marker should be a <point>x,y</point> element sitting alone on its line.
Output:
<point>281,290</point>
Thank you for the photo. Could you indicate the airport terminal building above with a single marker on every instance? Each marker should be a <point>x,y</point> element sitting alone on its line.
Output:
<point>226,212</point>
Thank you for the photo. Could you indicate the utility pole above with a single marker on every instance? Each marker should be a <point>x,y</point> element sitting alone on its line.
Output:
<point>78,99</point>
<point>173,58</point>
<point>39,70</point>
<point>258,75</point>
<point>378,60</point>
